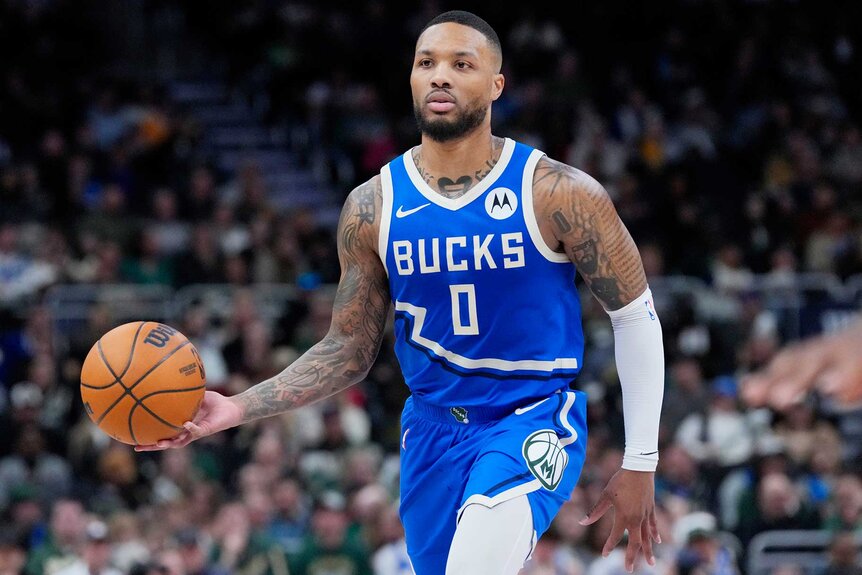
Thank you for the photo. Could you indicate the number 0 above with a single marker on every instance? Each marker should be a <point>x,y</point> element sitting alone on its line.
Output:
<point>458,325</point>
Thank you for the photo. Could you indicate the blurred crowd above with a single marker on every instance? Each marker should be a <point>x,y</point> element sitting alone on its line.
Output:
<point>728,134</point>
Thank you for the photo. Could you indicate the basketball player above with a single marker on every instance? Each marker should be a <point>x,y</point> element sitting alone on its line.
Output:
<point>475,239</point>
<point>829,363</point>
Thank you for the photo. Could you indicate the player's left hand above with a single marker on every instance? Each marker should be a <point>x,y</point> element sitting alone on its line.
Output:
<point>632,495</point>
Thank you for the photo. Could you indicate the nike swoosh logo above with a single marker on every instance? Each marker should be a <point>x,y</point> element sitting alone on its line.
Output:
<point>402,213</point>
<point>522,410</point>
<point>650,453</point>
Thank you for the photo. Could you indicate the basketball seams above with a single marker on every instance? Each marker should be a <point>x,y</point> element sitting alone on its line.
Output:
<point>132,350</point>
<point>179,390</point>
<point>128,390</point>
<point>118,378</point>
<point>140,402</point>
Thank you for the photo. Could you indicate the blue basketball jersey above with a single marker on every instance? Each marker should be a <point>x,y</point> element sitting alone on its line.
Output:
<point>487,316</point>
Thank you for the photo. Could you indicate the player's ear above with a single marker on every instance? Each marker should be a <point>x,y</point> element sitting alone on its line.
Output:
<point>499,82</point>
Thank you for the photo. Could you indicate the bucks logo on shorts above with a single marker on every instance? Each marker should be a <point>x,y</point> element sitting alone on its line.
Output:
<point>545,457</point>
<point>460,414</point>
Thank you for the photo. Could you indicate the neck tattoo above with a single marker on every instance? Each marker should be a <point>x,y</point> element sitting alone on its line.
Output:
<point>454,188</point>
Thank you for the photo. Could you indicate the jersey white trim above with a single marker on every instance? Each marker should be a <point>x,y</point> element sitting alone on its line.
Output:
<point>419,313</point>
<point>386,214</point>
<point>564,420</point>
<point>530,214</point>
<point>480,188</point>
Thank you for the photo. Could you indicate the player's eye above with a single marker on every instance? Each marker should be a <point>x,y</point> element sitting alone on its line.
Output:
<point>424,63</point>
<point>461,65</point>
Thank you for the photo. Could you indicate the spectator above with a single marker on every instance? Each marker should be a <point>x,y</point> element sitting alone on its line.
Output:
<point>845,513</point>
<point>21,276</point>
<point>391,557</point>
<point>249,194</point>
<point>147,265</point>
<point>678,476</point>
<point>128,548</point>
<point>729,273</point>
<point>170,233</point>
<point>200,201</point>
<point>705,554</point>
<point>190,556</point>
<point>779,506</point>
<point>240,549</point>
<point>804,433</point>
<point>30,462</point>
<point>687,393</point>
<point>67,532</point>
<point>367,501</point>
<point>289,524</point>
<point>176,476</point>
<point>843,556</point>
<point>13,554</point>
<point>55,412</point>
<point>327,543</point>
<point>197,325</point>
<point>26,515</point>
<point>202,262</point>
<point>96,554</point>
<point>720,439</point>
<point>120,484</point>
<point>110,220</point>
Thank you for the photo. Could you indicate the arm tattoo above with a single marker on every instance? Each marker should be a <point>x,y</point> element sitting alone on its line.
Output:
<point>587,257</point>
<point>584,220</point>
<point>365,203</point>
<point>562,223</point>
<point>359,315</point>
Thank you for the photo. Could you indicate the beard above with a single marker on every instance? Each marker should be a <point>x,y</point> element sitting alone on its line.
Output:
<point>444,129</point>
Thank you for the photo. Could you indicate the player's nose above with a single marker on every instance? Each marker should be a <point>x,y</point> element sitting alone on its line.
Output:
<point>440,80</point>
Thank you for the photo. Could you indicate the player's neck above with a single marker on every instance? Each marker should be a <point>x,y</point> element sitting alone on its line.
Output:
<point>453,167</point>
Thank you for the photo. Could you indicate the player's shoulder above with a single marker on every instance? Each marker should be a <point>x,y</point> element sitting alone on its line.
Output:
<point>373,187</point>
<point>361,212</point>
<point>554,180</point>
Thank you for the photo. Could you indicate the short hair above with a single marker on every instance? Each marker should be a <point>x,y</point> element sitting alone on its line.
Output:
<point>469,19</point>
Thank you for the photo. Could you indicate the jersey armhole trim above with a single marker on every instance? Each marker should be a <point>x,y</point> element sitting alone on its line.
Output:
<point>530,215</point>
<point>385,215</point>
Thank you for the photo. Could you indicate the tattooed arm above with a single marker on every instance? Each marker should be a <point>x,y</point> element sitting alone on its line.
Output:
<point>342,358</point>
<point>576,215</point>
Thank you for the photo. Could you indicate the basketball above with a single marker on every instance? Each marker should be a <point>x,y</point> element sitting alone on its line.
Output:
<point>141,381</point>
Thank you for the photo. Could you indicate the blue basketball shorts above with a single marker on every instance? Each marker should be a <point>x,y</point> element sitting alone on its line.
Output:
<point>454,457</point>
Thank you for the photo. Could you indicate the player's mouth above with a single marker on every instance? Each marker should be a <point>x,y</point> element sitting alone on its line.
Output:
<point>440,102</point>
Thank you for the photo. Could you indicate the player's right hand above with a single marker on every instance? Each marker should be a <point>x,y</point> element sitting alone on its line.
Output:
<point>217,413</point>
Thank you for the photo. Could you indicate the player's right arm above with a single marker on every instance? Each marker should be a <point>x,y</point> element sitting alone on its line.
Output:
<point>343,357</point>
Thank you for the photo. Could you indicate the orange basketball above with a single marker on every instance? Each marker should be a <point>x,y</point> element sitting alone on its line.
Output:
<point>141,381</point>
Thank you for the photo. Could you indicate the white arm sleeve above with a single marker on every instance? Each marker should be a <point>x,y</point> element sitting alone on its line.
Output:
<point>639,355</point>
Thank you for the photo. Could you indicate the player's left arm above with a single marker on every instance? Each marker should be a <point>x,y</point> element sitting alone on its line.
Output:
<point>576,215</point>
